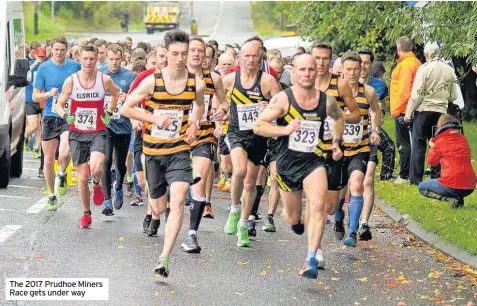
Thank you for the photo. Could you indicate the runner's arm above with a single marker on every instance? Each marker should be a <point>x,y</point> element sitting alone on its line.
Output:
<point>334,112</point>
<point>38,86</point>
<point>270,83</point>
<point>63,98</point>
<point>143,91</point>
<point>276,108</point>
<point>375,110</point>
<point>219,100</point>
<point>113,91</point>
<point>344,89</point>
<point>198,110</point>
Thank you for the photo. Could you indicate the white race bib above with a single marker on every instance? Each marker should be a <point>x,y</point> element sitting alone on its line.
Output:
<point>353,133</point>
<point>307,138</point>
<point>327,131</point>
<point>55,101</point>
<point>173,130</point>
<point>85,119</point>
<point>247,115</point>
<point>107,100</point>
<point>116,115</point>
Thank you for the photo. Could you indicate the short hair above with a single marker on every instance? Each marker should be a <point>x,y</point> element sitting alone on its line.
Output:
<point>48,43</point>
<point>90,48</point>
<point>404,43</point>
<point>100,42</point>
<point>322,45</point>
<point>277,60</point>
<point>447,118</point>
<point>254,38</point>
<point>211,47</point>
<point>59,39</point>
<point>273,53</point>
<point>128,38</point>
<point>83,43</point>
<point>432,48</point>
<point>160,45</point>
<point>367,52</point>
<point>151,55</point>
<point>350,57</point>
<point>115,48</point>
<point>138,66</point>
<point>176,36</point>
<point>213,43</point>
<point>92,40</point>
<point>198,39</point>
<point>302,49</point>
<point>34,45</point>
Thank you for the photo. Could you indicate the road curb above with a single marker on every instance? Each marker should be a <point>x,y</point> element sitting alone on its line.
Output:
<point>415,228</point>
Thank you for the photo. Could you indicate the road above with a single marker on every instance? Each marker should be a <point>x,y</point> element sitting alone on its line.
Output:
<point>224,21</point>
<point>391,268</point>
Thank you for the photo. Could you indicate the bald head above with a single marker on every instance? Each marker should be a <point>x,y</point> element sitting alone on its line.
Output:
<point>303,59</point>
<point>337,66</point>
<point>304,71</point>
<point>251,55</point>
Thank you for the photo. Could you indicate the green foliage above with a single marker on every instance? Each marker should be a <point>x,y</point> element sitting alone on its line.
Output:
<point>265,18</point>
<point>65,13</point>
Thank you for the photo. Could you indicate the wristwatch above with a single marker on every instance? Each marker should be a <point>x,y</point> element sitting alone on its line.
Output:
<point>338,141</point>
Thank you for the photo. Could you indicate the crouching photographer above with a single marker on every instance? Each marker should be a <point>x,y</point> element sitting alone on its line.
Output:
<point>450,149</point>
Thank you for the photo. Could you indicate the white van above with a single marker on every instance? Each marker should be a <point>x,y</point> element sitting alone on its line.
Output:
<point>13,79</point>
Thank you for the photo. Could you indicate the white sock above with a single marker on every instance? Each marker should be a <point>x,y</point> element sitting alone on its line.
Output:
<point>60,173</point>
<point>319,255</point>
<point>52,195</point>
<point>243,223</point>
<point>192,232</point>
<point>364,221</point>
<point>235,208</point>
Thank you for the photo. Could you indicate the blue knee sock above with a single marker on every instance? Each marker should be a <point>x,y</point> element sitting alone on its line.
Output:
<point>339,214</point>
<point>311,256</point>
<point>137,188</point>
<point>354,212</point>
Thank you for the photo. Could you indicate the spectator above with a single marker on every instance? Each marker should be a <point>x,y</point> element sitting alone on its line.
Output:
<point>432,91</point>
<point>402,79</point>
<point>450,149</point>
<point>300,50</point>
<point>125,24</point>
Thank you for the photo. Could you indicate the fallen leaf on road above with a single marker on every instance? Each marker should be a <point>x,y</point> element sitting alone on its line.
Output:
<point>320,283</point>
<point>356,303</point>
<point>424,297</point>
<point>156,293</point>
<point>189,293</point>
<point>121,238</point>
<point>280,271</point>
<point>404,282</point>
<point>335,278</point>
<point>433,274</point>
<point>21,257</point>
<point>437,299</point>
<point>241,263</point>
<point>392,284</point>
<point>326,288</point>
<point>401,304</point>
<point>264,273</point>
<point>364,279</point>
<point>240,293</point>
<point>374,284</point>
<point>38,256</point>
<point>121,247</point>
<point>172,292</point>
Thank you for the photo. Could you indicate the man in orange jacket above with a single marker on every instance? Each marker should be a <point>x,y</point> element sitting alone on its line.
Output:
<point>402,79</point>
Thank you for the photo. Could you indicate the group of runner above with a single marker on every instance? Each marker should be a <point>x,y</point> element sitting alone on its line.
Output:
<point>192,112</point>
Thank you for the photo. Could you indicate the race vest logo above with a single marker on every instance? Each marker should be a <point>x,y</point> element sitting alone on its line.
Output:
<point>87,95</point>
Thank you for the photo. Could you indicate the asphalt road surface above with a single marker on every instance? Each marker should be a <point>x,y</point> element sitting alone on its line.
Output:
<point>391,268</point>
<point>224,21</point>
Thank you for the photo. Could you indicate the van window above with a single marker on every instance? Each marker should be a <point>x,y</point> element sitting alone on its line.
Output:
<point>17,47</point>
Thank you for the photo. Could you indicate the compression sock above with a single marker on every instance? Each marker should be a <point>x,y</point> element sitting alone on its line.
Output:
<point>339,214</point>
<point>258,197</point>
<point>354,212</point>
<point>196,211</point>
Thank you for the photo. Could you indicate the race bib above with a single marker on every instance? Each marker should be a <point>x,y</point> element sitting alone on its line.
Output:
<point>55,101</point>
<point>353,133</point>
<point>173,130</point>
<point>206,108</point>
<point>107,100</point>
<point>247,115</point>
<point>116,115</point>
<point>327,132</point>
<point>85,119</point>
<point>307,138</point>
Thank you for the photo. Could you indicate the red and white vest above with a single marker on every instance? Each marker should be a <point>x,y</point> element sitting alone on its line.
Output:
<point>88,105</point>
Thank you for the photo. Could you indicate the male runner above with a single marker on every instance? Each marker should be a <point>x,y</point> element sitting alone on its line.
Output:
<point>49,79</point>
<point>356,144</point>
<point>100,44</point>
<point>88,120</point>
<point>386,145</point>
<point>250,89</point>
<point>118,131</point>
<point>209,57</point>
<point>300,112</point>
<point>170,93</point>
<point>203,146</point>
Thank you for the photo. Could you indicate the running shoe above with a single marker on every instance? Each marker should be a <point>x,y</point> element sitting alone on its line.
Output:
<point>188,197</point>
<point>365,232</point>
<point>63,186</point>
<point>153,227</point>
<point>269,225</point>
<point>25,146</point>
<point>51,206</point>
<point>36,153</point>
<point>242,236</point>
<point>118,200</point>
<point>309,269</point>
<point>339,230</point>
<point>221,182</point>
<point>257,215</point>
<point>228,185</point>
<point>351,240</point>
<point>98,194</point>
<point>230,227</point>
<point>41,174</point>
<point>129,189</point>
<point>85,221</point>
<point>162,268</point>
<point>191,245</point>
<point>252,232</point>
<point>320,260</point>
<point>299,228</point>
<point>208,213</point>
<point>138,201</point>
<point>145,223</point>
<point>108,208</point>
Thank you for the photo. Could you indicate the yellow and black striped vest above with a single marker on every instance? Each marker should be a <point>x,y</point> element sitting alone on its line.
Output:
<point>161,99</point>
<point>351,149</point>
<point>206,131</point>
<point>332,91</point>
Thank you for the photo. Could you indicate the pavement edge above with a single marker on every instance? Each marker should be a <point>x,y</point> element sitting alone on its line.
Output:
<point>414,228</point>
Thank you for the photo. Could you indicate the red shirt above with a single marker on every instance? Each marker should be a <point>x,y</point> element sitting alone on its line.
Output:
<point>452,151</point>
<point>135,84</point>
<point>264,66</point>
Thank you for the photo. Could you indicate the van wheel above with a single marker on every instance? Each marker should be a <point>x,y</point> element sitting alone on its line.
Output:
<point>5,163</point>
<point>17,159</point>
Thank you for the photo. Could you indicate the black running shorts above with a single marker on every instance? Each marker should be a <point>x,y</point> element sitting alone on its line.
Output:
<point>52,128</point>
<point>224,147</point>
<point>137,152</point>
<point>294,181</point>
<point>164,170</point>
<point>255,146</point>
<point>32,108</point>
<point>82,144</point>
<point>341,170</point>
<point>205,150</point>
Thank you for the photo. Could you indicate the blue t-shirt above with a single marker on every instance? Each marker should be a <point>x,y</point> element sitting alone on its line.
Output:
<point>101,66</point>
<point>122,79</point>
<point>380,87</point>
<point>51,76</point>
<point>29,88</point>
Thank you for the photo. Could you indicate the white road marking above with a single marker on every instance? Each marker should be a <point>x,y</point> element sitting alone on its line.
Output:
<point>7,231</point>
<point>31,160</point>
<point>25,187</point>
<point>12,197</point>
<point>218,19</point>
<point>37,207</point>
<point>31,169</point>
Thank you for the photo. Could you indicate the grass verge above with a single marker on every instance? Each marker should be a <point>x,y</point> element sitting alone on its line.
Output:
<point>260,20</point>
<point>457,226</point>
